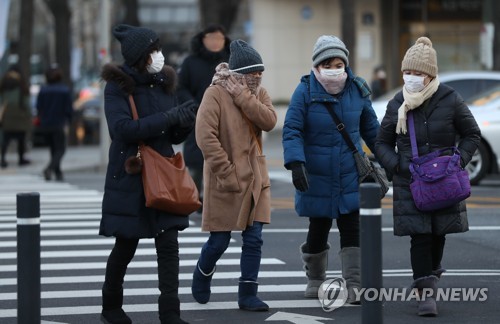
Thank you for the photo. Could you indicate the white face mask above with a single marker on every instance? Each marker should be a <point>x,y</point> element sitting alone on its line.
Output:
<point>414,83</point>
<point>157,62</point>
<point>335,73</point>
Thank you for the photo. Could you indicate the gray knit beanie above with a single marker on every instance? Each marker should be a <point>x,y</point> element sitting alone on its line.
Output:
<point>421,57</point>
<point>134,41</point>
<point>244,58</point>
<point>327,47</point>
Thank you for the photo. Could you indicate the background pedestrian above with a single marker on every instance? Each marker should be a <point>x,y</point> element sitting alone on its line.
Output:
<point>208,48</point>
<point>16,121</point>
<point>54,111</point>
<point>379,82</point>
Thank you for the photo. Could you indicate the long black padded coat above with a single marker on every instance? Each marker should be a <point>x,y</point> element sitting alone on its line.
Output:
<point>124,213</point>
<point>439,122</point>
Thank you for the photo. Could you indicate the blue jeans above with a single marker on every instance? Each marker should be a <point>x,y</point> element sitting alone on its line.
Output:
<point>251,252</point>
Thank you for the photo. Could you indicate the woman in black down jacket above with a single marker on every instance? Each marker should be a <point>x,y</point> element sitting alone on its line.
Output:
<point>209,48</point>
<point>161,123</point>
<point>440,117</point>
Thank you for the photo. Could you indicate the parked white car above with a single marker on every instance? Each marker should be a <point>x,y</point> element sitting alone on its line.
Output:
<point>486,110</point>
<point>481,91</point>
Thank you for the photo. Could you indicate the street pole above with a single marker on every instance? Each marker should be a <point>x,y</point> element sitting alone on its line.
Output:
<point>28,258</point>
<point>371,251</point>
<point>105,58</point>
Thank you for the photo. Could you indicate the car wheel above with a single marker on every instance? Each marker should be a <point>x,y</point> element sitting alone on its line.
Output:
<point>479,165</point>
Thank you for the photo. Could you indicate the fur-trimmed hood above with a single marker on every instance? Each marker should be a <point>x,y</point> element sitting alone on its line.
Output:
<point>127,78</point>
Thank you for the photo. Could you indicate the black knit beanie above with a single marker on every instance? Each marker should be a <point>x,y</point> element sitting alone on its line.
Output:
<point>244,58</point>
<point>134,41</point>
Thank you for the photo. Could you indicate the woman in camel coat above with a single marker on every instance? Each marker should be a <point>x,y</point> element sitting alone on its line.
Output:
<point>233,113</point>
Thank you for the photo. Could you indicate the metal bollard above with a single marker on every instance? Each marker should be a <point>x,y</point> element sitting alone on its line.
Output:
<point>28,258</point>
<point>371,252</point>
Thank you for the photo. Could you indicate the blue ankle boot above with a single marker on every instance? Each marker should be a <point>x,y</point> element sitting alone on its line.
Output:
<point>247,297</point>
<point>200,288</point>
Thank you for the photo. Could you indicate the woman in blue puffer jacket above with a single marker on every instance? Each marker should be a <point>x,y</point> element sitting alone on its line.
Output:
<point>322,164</point>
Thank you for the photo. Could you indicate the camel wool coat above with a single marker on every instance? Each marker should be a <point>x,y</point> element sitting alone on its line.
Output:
<point>237,189</point>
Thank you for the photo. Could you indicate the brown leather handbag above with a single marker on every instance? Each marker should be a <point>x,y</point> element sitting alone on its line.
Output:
<point>168,186</point>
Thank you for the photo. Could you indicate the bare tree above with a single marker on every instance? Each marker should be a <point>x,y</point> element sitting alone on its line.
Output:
<point>219,12</point>
<point>62,18</point>
<point>349,27</point>
<point>25,36</point>
<point>131,12</point>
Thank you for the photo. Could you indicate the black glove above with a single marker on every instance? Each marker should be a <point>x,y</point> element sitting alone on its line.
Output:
<point>299,176</point>
<point>187,116</point>
<point>182,115</point>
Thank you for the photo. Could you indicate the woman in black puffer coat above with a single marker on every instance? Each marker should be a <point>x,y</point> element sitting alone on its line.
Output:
<point>208,48</point>
<point>440,118</point>
<point>162,122</point>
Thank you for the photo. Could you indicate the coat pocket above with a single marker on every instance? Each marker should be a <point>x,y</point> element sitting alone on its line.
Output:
<point>264,173</point>
<point>230,182</point>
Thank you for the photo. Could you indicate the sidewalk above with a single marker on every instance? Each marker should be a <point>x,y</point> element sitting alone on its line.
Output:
<point>77,158</point>
<point>89,157</point>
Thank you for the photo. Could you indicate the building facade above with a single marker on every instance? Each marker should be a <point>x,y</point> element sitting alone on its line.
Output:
<point>284,32</point>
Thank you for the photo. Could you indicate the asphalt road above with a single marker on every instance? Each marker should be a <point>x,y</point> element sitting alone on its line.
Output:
<point>74,256</point>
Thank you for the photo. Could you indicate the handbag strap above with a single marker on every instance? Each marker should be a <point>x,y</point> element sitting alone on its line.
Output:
<point>413,139</point>
<point>135,115</point>
<point>341,128</point>
<point>133,107</point>
<point>252,131</point>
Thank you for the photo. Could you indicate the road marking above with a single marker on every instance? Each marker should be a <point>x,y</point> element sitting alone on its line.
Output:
<point>105,253</point>
<point>297,318</point>
<point>133,264</point>
<point>197,230</point>
<point>100,241</point>
<point>56,280</point>
<point>147,308</point>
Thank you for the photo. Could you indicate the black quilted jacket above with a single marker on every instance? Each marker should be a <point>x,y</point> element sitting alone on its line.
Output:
<point>439,123</point>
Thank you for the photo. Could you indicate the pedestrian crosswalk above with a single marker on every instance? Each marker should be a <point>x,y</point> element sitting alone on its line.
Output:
<point>73,257</point>
<point>73,260</point>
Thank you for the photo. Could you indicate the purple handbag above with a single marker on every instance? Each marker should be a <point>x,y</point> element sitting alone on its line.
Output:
<point>438,181</point>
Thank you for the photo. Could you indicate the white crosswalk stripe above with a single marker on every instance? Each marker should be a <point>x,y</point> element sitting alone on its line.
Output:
<point>73,255</point>
<point>73,259</point>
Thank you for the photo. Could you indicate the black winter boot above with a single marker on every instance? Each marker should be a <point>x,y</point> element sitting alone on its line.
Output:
<point>112,311</point>
<point>170,310</point>
<point>167,249</point>
<point>200,287</point>
<point>247,297</point>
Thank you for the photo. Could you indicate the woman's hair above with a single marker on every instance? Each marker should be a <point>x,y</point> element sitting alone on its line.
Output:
<point>214,28</point>
<point>54,75</point>
<point>143,61</point>
<point>13,79</point>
